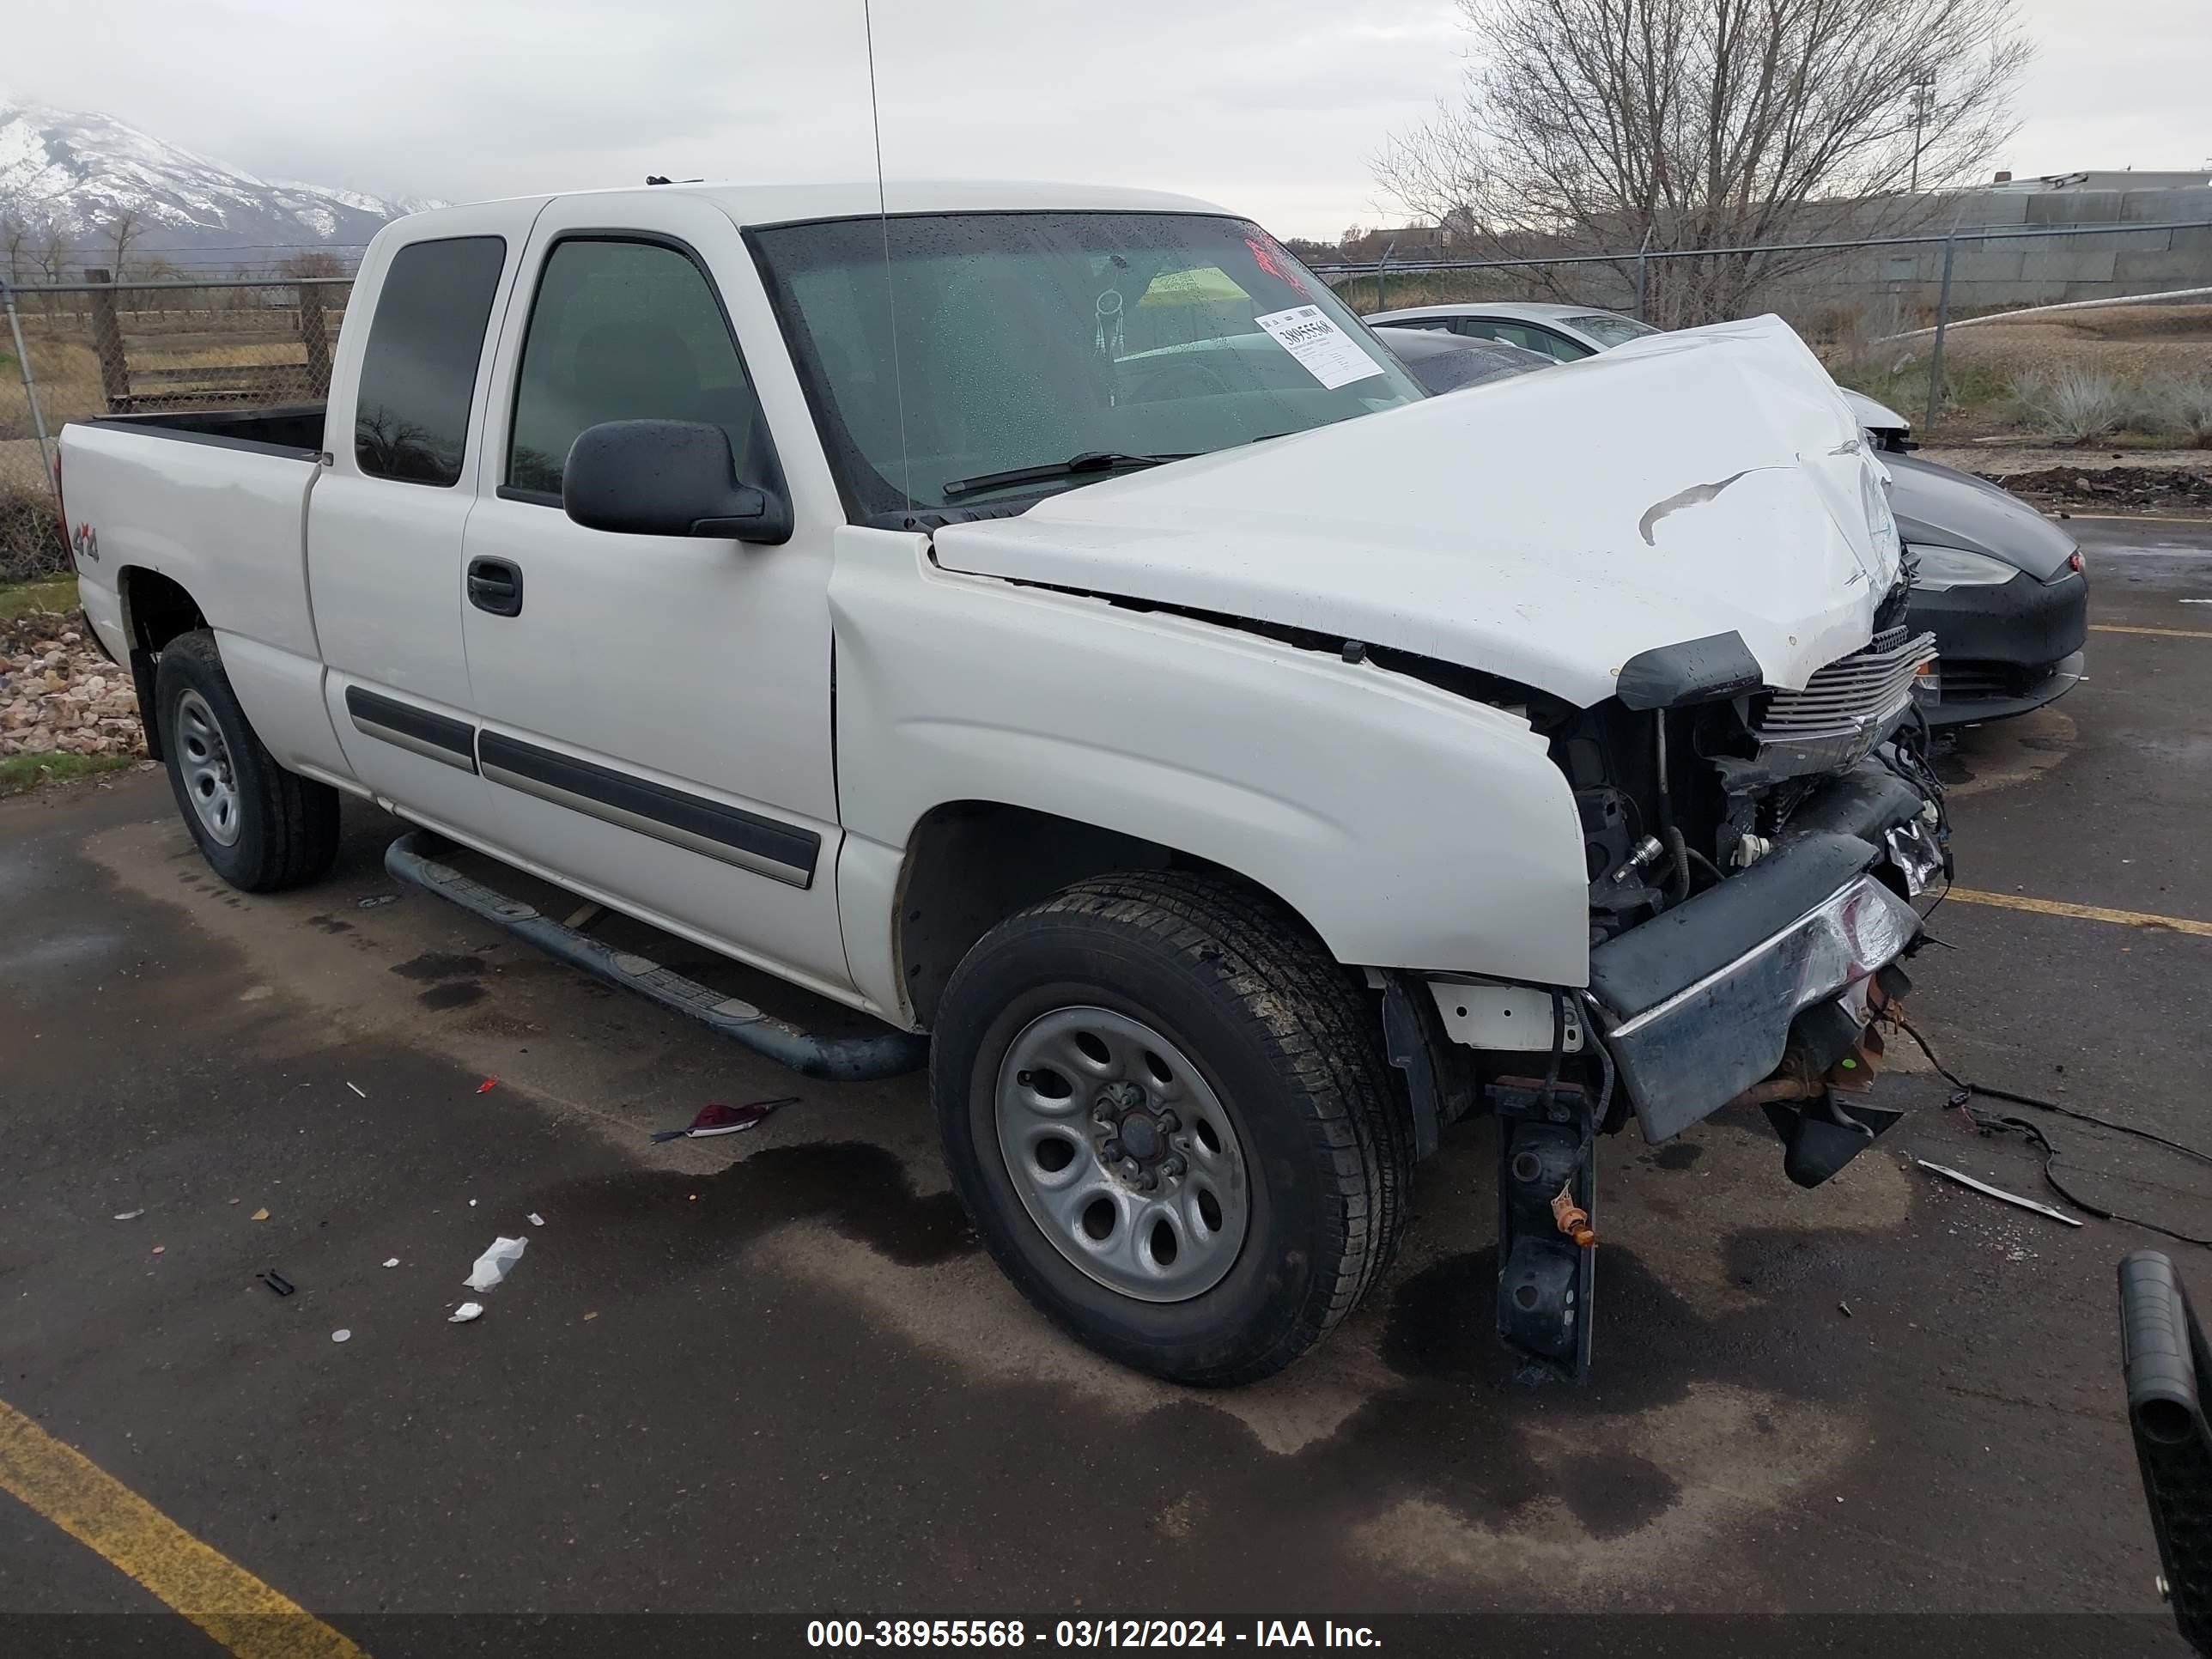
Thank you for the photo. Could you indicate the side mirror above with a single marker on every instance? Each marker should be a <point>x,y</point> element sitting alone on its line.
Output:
<point>666,479</point>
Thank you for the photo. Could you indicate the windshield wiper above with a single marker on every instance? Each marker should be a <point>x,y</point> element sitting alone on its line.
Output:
<point>1091,460</point>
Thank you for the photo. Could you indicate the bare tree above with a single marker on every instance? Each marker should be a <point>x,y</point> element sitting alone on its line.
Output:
<point>122,234</point>
<point>50,254</point>
<point>15,248</point>
<point>1592,126</point>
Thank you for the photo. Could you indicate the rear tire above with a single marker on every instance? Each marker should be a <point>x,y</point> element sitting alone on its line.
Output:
<point>1225,1089</point>
<point>263,829</point>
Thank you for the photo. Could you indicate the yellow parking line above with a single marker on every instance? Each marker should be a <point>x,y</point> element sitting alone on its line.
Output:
<point>229,1603</point>
<point>2043,907</point>
<point>2161,633</point>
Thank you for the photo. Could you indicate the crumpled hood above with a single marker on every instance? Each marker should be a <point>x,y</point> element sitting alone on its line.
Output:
<point>1545,528</point>
<point>1937,504</point>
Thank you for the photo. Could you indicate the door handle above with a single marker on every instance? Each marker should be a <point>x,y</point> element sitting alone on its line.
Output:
<point>495,585</point>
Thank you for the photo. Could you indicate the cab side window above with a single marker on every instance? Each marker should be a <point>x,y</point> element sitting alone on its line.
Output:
<point>418,373</point>
<point>626,330</point>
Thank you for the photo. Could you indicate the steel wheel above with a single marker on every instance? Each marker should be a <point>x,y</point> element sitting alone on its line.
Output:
<point>204,758</point>
<point>1121,1154</point>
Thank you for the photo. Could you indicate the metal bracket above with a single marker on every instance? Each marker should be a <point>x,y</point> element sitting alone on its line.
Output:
<point>1515,1019</point>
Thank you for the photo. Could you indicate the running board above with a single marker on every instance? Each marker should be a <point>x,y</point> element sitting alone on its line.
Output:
<point>841,1059</point>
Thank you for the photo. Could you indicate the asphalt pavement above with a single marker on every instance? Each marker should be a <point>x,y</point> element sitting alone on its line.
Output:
<point>774,1373</point>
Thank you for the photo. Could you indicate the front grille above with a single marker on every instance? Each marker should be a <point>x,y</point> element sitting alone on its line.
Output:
<point>1855,698</point>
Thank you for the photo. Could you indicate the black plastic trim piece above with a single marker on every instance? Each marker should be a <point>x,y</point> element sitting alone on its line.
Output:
<point>1693,671</point>
<point>385,717</point>
<point>143,664</point>
<point>534,497</point>
<point>692,818</point>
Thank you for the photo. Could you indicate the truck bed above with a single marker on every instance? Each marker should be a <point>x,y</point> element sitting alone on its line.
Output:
<point>216,504</point>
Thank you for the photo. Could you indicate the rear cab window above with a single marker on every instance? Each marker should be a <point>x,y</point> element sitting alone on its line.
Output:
<point>418,372</point>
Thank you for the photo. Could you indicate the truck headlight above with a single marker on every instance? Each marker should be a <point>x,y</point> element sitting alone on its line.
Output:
<point>1937,568</point>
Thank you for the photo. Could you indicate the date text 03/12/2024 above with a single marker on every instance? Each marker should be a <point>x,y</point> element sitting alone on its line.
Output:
<point>1085,1633</point>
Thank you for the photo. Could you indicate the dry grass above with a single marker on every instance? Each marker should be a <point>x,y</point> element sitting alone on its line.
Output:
<point>2128,342</point>
<point>68,376</point>
<point>2037,375</point>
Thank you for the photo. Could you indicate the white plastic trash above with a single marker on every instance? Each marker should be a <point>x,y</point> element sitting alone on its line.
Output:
<point>492,1266</point>
<point>466,1312</point>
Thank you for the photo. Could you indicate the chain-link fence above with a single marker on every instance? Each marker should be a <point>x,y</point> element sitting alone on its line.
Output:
<point>97,347</point>
<point>1887,302</point>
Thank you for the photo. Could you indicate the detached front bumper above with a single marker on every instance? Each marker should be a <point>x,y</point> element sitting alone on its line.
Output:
<point>1697,1004</point>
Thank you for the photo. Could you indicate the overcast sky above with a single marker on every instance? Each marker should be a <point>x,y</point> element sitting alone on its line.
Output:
<point>1272,106</point>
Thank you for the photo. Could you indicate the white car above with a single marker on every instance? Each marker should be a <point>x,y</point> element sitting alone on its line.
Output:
<point>1151,740</point>
<point>1570,333</point>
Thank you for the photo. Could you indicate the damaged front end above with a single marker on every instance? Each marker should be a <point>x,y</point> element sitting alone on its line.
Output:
<point>1796,828</point>
<point>1753,856</point>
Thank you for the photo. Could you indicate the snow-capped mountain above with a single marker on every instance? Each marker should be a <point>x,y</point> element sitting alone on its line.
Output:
<point>79,174</point>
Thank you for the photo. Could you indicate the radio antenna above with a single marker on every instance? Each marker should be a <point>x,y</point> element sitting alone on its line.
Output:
<point>884,220</point>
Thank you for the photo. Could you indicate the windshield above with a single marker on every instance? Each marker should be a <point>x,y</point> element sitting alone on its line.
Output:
<point>1609,330</point>
<point>1027,340</point>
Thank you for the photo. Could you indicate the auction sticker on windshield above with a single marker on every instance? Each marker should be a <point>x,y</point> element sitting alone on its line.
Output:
<point>1310,335</point>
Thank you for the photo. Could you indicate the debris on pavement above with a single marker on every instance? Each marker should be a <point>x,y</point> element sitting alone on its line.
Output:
<point>466,1312</point>
<point>719,1120</point>
<point>492,1266</point>
<point>261,1214</point>
<point>341,1335</point>
<point>277,1282</point>
<point>1998,1193</point>
<point>536,1220</point>
<point>129,1215</point>
<point>488,1085</point>
<point>391,1262</point>
<point>1844,1309</point>
<point>357,1089</point>
<point>375,899</point>
<point>158,1248</point>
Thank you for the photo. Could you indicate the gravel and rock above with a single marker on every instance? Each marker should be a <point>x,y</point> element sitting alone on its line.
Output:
<point>59,695</point>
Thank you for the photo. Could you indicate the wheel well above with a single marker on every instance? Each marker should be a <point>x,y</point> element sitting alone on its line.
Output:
<point>971,864</point>
<point>156,609</point>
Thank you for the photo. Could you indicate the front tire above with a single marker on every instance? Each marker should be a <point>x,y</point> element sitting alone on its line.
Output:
<point>263,829</point>
<point>1168,1112</point>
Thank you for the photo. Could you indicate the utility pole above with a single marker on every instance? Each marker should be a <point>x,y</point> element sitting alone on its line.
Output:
<point>1923,106</point>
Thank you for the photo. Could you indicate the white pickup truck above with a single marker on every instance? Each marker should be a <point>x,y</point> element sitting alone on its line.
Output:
<point>1045,620</point>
